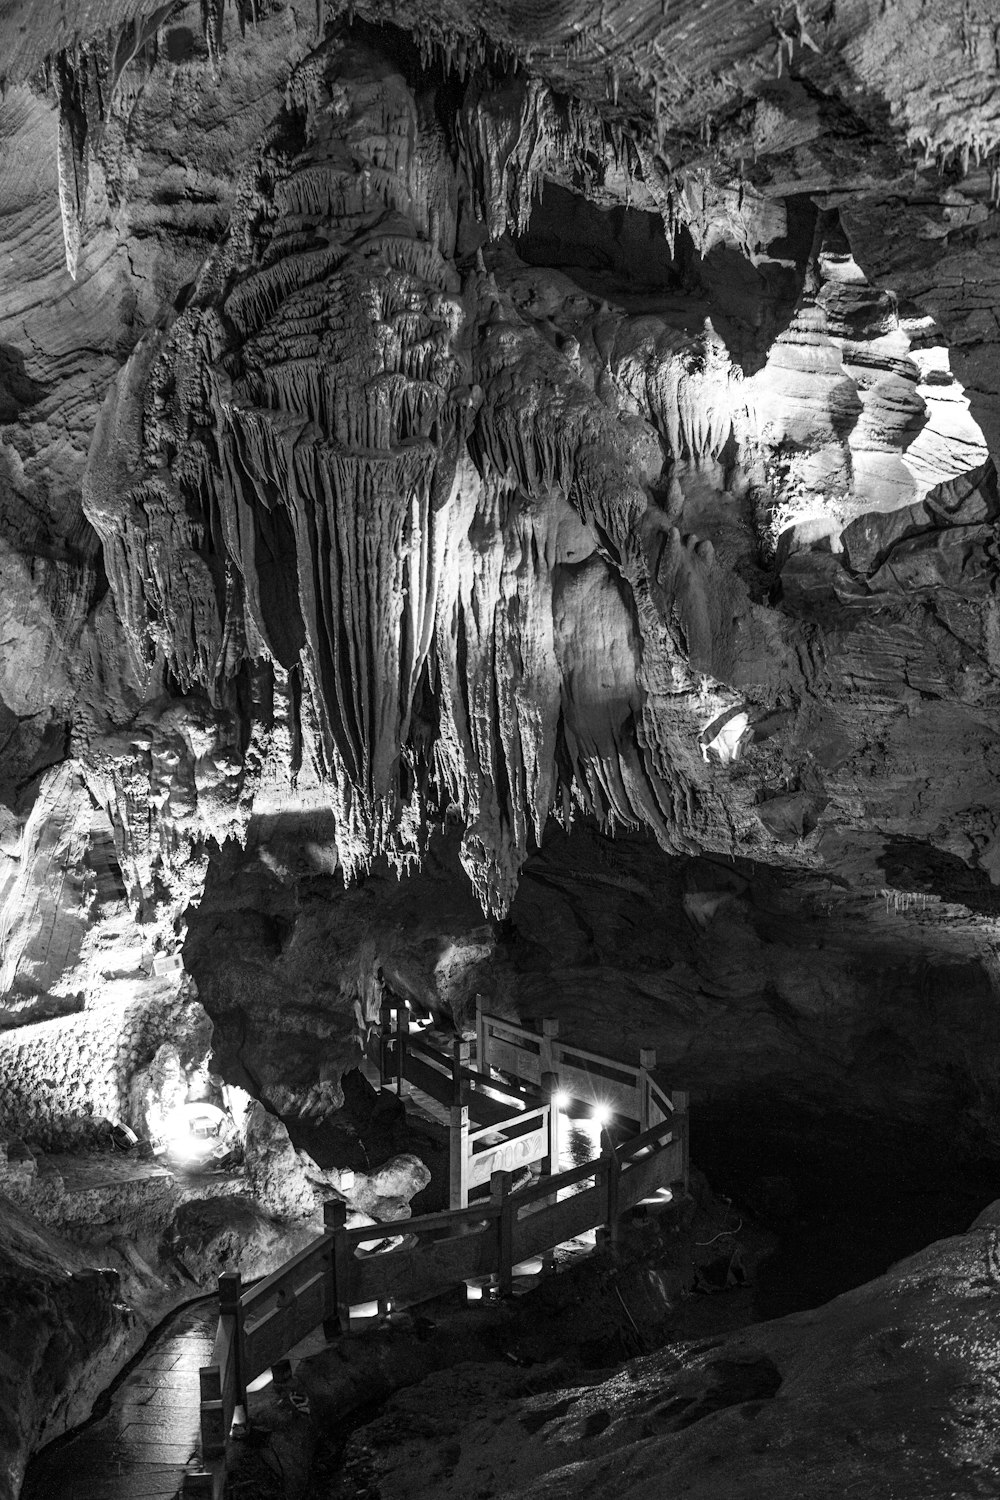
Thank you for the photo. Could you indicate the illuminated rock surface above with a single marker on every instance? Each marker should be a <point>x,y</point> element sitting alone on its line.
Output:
<point>503,503</point>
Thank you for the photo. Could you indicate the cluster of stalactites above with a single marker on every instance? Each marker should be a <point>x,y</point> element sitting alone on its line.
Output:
<point>512,136</point>
<point>346,467</point>
<point>85,80</point>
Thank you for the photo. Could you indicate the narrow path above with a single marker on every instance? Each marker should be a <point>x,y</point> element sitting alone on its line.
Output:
<point>140,1448</point>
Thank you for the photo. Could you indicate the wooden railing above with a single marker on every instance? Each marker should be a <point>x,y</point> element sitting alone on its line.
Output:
<point>540,1059</point>
<point>320,1285</point>
<point>493,1125</point>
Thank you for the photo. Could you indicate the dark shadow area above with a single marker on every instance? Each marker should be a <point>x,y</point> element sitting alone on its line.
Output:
<point>846,1197</point>
<point>18,391</point>
<point>913,865</point>
<point>623,254</point>
<point>277,572</point>
<point>570,233</point>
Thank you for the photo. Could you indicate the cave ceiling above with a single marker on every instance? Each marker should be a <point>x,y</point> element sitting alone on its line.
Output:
<point>446,419</point>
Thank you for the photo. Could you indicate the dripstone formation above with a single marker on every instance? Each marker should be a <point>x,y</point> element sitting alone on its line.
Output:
<point>501,502</point>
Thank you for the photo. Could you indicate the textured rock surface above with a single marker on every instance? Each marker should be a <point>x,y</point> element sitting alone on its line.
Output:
<point>404,529</point>
<point>65,1331</point>
<point>506,500</point>
<point>890,1389</point>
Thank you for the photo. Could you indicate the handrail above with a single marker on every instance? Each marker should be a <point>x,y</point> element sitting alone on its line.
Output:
<point>545,1187</point>
<point>510,1090</point>
<point>523,1032</point>
<point>663,1099</point>
<point>636,1143</point>
<point>515,1124</point>
<point>426,1224</point>
<point>320,1282</point>
<point>605,1065</point>
<point>262,1290</point>
<point>415,1043</point>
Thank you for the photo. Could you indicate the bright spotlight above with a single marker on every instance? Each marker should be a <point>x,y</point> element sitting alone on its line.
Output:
<point>195,1134</point>
<point>561,1100</point>
<point>601,1114</point>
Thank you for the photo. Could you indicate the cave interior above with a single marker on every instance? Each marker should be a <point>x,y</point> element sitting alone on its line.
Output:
<point>498,517</point>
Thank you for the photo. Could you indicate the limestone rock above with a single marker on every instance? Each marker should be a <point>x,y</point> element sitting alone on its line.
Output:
<point>232,1233</point>
<point>276,1178</point>
<point>888,1388</point>
<point>380,1196</point>
<point>64,1330</point>
<point>423,441</point>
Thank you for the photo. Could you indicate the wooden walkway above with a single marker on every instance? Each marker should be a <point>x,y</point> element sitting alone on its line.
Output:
<point>150,1436</point>
<point>161,1428</point>
<point>515,1099</point>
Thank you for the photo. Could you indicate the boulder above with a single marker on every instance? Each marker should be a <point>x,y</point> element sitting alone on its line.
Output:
<point>212,1235</point>
<point>276,1176</point>
<point>63,1331</point>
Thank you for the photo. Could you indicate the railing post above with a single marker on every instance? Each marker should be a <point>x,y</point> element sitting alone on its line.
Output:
<point>482,1042</point>
<point>548,1047</point>
<point>338,1319</point>
<point>459,1060</point>
<point>612,1176</point>
<point>458,1157</point>
<point>647,1062</point>
<point>402,1031</point>
<point>212,1401</point>
<point>230,1290</point>
<point>550,1088</point>
<point>385,1041</point>
<point>679,1099</point>
<point>500,1198</point>
<point>552,1163</point>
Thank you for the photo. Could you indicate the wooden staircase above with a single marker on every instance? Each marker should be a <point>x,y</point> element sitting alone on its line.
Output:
<point>503,1117</point>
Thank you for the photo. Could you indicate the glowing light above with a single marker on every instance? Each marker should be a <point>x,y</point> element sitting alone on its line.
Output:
<point>602,1114</point>
<point>561,1099</point>
<point>364,1310</point>
<point>260,1382</point>
<point>195,1134</point>
<point>473,1293</point>
<point>723,738</point>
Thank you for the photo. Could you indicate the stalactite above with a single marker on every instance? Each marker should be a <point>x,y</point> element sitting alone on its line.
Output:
<point>72,91</point>
<point>362,470</point>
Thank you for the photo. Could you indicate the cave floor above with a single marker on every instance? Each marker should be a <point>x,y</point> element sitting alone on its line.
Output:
<point>139,1448</point>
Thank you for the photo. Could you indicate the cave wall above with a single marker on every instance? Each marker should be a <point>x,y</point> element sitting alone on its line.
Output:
<point>65,1078</point>
<point>408,434</point>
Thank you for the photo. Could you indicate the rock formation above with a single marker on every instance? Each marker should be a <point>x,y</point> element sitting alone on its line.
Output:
<point>889,1389</point>
<point>502,502</point>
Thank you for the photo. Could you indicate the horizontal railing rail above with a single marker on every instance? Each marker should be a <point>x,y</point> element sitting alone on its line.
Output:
<point>321,1283</point>
<point>513,1126</point>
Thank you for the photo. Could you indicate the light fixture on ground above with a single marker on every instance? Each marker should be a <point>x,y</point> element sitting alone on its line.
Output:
<point>195,1135</point>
